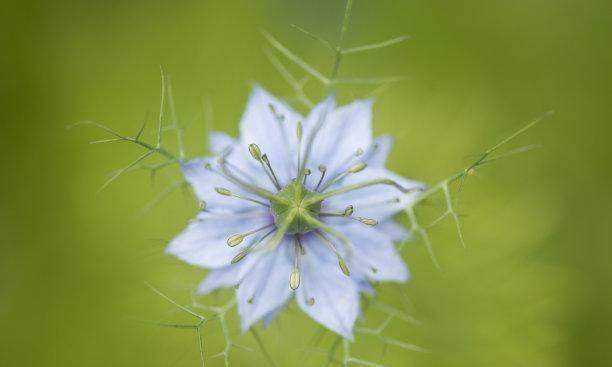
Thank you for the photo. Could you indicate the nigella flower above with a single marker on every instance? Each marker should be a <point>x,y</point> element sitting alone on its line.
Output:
<point>297,207</point>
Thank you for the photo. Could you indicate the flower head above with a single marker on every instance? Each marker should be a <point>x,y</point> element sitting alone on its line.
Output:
<point>297,207</point>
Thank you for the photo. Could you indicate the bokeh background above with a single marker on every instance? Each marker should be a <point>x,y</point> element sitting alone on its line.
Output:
<point>532,288</point>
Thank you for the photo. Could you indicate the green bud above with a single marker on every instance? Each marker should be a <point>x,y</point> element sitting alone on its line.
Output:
<point>222,191</point>
<point>235,240</point>
<point>358,167</point>
<point>255,152</point>
<point>348,211</point>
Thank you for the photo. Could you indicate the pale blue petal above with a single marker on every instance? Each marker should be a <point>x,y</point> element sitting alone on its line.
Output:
<point>336,295</point>
<point>396,232</point>
<point>374,255</point>
<point>266,320</point>
<point>276,139</point>
<point>266,286</point>
<point>204,242</point>
<point>377,155</point>
<point>204,181</point>
<point>345,130</point>
<point>228,276</point>
<point>219,142</point>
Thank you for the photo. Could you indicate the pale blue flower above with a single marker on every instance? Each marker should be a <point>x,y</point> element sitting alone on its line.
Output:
<point>297,207</point>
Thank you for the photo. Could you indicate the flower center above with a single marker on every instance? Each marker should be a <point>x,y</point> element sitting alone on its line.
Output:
<point>294,210</point>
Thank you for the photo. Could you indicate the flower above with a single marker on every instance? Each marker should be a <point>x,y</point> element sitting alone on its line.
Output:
<point>297,207</point>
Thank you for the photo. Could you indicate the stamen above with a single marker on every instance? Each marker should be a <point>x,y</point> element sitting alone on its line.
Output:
<point>245,185</point>
<point>306,174</point>
<point>274,178</point>
<point>357,167</point>
<point>311,137</point>
<point>357,186</point>
<point>348,214</point>
<point>322,169</point>
<point>294,279</point>
<point>332,247</point>
<point>226,192</point>
<point>315,223</point>
<point>242,254</point>
<point>263,160</point>
<point>280,117</point>
<point>281,231</point>
<point>299,133</point>
<point>237,239</point>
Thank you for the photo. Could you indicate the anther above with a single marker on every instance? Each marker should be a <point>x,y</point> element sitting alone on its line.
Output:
<point>241,255</point>
<point>343,267</point>
<point>237,239</point>
<point>322,169</point>
<point>255,152</point>
<point>332,247</point>
<point>294,279</point>
<point>226,192</point>
<point>277,115</point>
<point>357,167</point>
<point>307,173</point>
<point>348,211</point>
<point>299,132</point>
<point>358,152</point>
<point>310,301</point>
<point>265,159</point>
<point>368,221</point>
<point>202,205</point>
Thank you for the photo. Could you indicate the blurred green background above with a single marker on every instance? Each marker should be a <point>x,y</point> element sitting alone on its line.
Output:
<point>532,287</point>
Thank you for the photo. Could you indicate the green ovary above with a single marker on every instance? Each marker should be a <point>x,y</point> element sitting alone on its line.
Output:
<point>291,209</point>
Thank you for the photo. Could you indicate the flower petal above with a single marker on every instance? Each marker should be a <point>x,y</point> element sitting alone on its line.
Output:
<point>336,296</point>
<point>275,138</point>
<point>228,276</point>
<point>377,155</point>
<point>266,287</point>
<point>374,254</point>
<point>393,230</point>
<point>345,130</point>
<point>204,243</point>
<point>219,142</point>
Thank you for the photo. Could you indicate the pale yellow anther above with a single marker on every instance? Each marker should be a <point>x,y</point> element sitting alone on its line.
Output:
<point>358,167</point>
<point>235,240</point>
<point>294,280</point>
<point>255,152</point>
<point>368,221</point>
<point>223,191</point>
<point>343,267</point>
